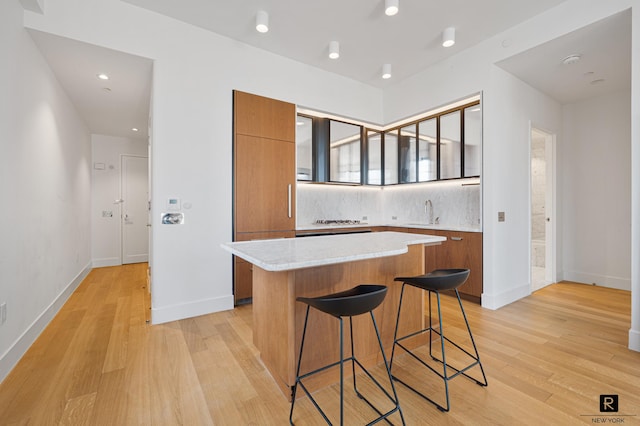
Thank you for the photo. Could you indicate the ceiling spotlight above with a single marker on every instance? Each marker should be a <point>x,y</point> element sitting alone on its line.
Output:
<point>334,50</point>
<point>571,59</point>
<point>386,71</point>
<point>449,37</point>
<point>390,7</point>
<point>262,21</point>
<point>103,76</point>
<point>134,129</point>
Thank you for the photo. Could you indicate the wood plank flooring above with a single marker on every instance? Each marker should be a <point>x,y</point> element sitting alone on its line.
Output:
<point>548,358</point>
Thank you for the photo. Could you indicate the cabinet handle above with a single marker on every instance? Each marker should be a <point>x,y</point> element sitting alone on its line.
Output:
<point>289,200</point>
<point>456,238</point>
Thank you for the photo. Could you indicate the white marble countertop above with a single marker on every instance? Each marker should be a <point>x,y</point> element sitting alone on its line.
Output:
<point>296,253</point>
<point>442,227</point>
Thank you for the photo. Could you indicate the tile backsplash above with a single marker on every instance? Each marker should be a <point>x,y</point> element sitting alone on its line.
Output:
<point>456,203</point>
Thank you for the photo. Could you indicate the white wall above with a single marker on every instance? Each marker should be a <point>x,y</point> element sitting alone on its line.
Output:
<point>45,181</point>
<point>105,189</point>
<point>596,191</point>
<point>192,132</point>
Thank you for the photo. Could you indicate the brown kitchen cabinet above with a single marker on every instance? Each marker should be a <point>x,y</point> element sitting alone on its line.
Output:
<point>264,176</point>
<point>460,250</point>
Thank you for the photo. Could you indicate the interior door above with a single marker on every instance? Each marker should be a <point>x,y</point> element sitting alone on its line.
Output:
<point>135,207</point>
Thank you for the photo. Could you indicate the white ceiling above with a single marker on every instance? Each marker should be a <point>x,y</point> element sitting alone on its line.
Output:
<point>112,107</point>
<point>302,30</point>
<point>604,66</point>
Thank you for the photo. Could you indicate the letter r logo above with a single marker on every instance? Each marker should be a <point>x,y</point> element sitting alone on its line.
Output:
<point>608,403</point>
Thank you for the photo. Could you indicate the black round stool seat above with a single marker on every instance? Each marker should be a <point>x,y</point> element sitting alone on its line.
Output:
<point>438,280</point>
<point>352,302</point>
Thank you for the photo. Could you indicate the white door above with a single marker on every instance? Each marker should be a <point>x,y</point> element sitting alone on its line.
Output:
<point>135,208</point>
<point>542,210</point>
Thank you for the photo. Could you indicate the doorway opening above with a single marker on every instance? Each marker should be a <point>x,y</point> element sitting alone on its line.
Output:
<point>542,212</point>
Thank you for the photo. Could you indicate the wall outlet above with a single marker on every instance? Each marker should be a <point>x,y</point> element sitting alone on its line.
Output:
<point>500,216</point>
<point>107,213</point>
<point>364,217</point>
<point>394,217</point>
<point>3,313</point>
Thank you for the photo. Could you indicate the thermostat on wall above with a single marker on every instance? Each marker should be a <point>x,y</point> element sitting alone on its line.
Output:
<point>173,204</point>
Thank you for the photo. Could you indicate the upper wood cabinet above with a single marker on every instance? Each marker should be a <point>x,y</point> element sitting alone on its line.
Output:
<point>264,184</point>
<point>264,175</point>
<point>264,117</point>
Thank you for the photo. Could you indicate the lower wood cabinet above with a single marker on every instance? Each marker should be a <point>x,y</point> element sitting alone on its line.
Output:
<point>461,250</point>
<point>243,270</point>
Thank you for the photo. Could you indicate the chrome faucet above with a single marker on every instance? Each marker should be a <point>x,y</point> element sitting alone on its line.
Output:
<point>428,209</point>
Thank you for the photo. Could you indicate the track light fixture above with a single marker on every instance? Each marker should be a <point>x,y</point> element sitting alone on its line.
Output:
<point>449,37</point>
<point>391,7</point>
<point>334,50</point>
<point>262,21</point>
<point>386,71</point>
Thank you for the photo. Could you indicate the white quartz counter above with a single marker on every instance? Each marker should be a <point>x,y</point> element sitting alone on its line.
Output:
<point>324,227</point>
<point>296,253</point>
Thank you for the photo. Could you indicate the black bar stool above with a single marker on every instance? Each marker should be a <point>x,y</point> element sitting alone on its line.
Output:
<point>356,301</point>
<point>435,282</point>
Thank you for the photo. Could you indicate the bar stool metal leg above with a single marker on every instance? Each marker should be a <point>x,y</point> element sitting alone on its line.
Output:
<point>393,398</point>
<point>447,369</point>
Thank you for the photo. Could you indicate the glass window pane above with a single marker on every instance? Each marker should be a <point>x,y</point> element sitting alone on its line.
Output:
<point>427,151</point>
<point>344,143</point>
<point>408,154</point>
<point>450,162</point>
<point>303,147</point>
<point>374,175</point>
<point>472,140</point>
<point>390,158</point>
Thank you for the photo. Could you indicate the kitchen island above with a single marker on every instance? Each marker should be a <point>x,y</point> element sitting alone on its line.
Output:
<point>284,269</point>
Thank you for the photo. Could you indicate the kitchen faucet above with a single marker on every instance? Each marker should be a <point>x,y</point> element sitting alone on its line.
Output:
<point>428,209</point>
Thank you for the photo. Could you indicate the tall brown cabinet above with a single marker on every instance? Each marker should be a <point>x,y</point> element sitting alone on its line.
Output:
<point>264,176</point>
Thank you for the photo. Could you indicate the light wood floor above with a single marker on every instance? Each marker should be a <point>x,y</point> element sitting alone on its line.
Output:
<point>548,358</point>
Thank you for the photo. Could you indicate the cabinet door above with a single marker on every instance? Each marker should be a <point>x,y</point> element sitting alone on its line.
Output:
<point>243,270</point>
<point>264,117</point>
<point>264,184</point>
<point>463,250</point>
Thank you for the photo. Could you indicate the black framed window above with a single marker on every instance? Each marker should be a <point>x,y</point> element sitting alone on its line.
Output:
<point>447,145</point>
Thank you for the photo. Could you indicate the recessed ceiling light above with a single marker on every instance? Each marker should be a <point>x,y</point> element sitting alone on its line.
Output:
<point>106,89</point>
<point>572,59</point>
<point>300,123</point>
<point>135,129</point>
<point>103,76</point>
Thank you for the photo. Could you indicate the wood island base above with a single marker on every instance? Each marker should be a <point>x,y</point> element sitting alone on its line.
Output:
<point>278,319</point>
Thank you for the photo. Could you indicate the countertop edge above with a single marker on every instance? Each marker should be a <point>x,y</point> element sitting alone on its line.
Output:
<point>394,250</point>
<point>324,227</point>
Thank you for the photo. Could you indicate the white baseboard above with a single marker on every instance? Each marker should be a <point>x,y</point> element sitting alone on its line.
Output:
<point>601,280</point>
<point>106,261</point>
<point>10,358</point>
<point>634,340</point>
<point>191,309</point>
<point>496,301</point>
